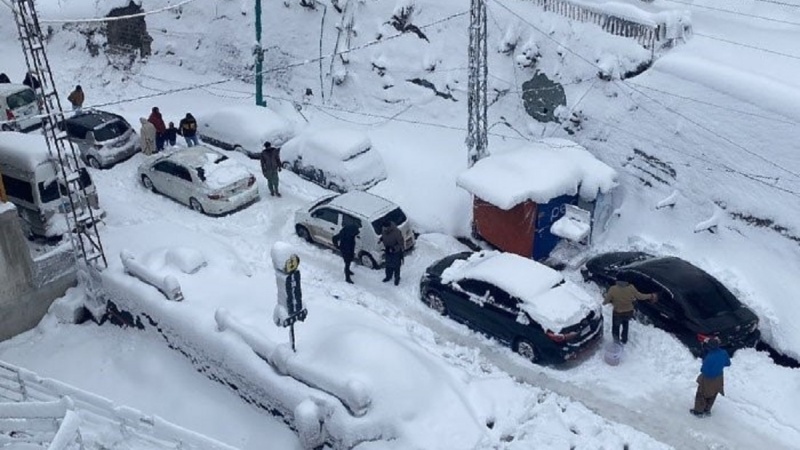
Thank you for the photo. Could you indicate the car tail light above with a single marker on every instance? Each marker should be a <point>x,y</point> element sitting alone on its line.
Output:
<point>215,196</point>
<point>9,114</point>
<point>251,181</point>
<point>555,337</point>
<point>703,338</point>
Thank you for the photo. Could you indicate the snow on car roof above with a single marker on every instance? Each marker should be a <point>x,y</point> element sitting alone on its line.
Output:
<point>540,172</point>
<point>553,307</point>
<point>10,88</point>
<point>252,125</point>
<point>25,151</point>
<point>363,203</point>
<point>341,143</point>
<point>203,159</point>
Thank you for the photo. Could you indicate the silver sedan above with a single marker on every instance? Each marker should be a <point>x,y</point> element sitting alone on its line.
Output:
<point>206,180</point>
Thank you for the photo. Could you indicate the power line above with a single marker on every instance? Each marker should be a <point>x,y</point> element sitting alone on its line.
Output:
<point>712,8</point>
<point>774,2</point>
<point>741,44</point>
<point>115,18</point>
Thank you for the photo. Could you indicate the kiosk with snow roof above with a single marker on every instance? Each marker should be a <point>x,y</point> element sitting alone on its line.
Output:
<point>526,200</point>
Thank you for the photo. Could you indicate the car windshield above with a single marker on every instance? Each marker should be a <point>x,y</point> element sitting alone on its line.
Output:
<point>710,298</point>
<point>110,130</point>
<point>21,98</point>
<point>201,171</point>
<point>396,215</point>
<point>324,201</point>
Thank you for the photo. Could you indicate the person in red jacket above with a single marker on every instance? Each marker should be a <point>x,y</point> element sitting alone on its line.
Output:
<point>161,128</point>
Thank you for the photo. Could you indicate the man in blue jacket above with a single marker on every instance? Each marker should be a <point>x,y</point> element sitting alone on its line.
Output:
<point>710,382</point>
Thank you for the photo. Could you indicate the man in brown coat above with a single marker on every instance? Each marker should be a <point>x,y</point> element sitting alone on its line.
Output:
<point>270,166</point>
<point>76,99</point>
<point>622,296</point>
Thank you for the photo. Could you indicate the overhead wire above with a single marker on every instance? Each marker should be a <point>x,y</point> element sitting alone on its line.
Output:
<point>115,18</point>
<point>738,13</point>
<point>753,47</point>
<point>667,108</point>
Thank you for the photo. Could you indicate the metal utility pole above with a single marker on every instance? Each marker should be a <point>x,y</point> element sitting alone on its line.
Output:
<point>80,217</point>
<point>258,52</point>
<point>477,139</point>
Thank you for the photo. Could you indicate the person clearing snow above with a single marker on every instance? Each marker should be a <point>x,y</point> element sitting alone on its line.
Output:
<point>622,296</point>
<point>711,380</point>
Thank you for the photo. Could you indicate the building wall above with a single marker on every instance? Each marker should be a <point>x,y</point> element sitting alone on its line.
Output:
<point>23,300</point>
<point>509,230</point>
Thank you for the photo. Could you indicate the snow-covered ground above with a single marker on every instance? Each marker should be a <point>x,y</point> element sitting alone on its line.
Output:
<point>712,120</point>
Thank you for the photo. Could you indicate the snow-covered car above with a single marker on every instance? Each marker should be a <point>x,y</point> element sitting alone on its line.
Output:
<point>517,301</point>
<point>321,220</point>
<point>206,180</point>
<point>244,128</point>
<point>337,159</point>
<point>19,107</point>
<point>103,138</point>
<point>692,305</point>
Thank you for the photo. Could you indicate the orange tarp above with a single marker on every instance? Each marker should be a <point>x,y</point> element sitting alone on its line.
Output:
<point>510,231</point>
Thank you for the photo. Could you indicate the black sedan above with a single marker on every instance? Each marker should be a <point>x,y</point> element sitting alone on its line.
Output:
<point>692,305</point>
<point>517,301</point>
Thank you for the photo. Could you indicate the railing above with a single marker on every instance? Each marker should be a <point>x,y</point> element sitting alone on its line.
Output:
<point>58,411</point>
<point>652,31</point>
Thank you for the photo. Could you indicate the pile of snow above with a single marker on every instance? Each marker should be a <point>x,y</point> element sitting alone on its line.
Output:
<point>539,172</point>
<point>220,174</point>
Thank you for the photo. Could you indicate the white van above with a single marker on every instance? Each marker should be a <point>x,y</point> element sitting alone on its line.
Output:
<point>19,107</point>
<point>29,177</point>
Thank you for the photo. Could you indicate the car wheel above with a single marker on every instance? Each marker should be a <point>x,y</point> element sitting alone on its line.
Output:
<point>195,205</point>
<point>303,233</point>
<point>148,184</point>
<point>641,317</point>
<point>7,127</point>
<point>334,187</point>
<point>436,303</point>
<point>366,260</point>
<point>93,162</point>
<point>286,165</point>
<point>527,350</point>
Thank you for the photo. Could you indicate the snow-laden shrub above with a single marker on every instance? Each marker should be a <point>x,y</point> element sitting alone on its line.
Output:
<point>529,54</point>
<point>510,39</point>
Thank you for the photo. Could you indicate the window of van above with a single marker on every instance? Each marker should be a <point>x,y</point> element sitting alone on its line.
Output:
<point>20,99</point>
<point>18,188</point>
<point>48,191</point>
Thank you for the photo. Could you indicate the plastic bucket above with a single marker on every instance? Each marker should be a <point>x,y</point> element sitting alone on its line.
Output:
<point>613,353</point>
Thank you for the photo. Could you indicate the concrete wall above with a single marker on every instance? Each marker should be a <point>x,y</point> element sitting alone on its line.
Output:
<point>23,300</point>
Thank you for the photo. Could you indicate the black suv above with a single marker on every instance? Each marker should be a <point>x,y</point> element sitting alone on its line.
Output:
<point>517,301</point>
<point>692,305</point>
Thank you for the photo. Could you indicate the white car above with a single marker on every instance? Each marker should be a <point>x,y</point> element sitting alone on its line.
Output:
<point>206,180</point>
<point>19,107</point>
<point>336,159</point>
<point>244,128</point>
<point>321,220</point>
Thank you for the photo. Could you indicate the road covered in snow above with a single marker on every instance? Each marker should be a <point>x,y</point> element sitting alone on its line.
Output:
<point>736,153</point>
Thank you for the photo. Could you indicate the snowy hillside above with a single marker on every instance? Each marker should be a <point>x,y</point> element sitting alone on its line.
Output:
<point>711,126</point>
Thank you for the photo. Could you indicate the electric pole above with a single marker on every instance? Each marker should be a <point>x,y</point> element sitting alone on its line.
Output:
<point>258,52</point>
<point>477,139</point>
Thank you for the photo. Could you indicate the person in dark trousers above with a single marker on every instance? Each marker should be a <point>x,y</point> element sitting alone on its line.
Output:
<point>187,128</point>
<point>270,166</point>
<point>711,380</point>
<point>4,78</point>
<point>171,135</point>
<point>32,82</point>
<point>392,239</point>
<point>76,99</point>
<point>345,241</point>
<point>622,296</point>
<point>161,128</point>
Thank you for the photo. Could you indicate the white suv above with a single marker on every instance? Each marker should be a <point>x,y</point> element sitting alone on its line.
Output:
<point>321,220</point>
<point>19,107</point>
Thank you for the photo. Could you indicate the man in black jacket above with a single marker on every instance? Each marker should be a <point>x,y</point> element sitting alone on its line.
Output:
<point>345,241</point>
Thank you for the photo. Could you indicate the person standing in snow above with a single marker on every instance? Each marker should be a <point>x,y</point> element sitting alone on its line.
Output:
<point>187,128</point>
<point>161,128</point>
<point>392,239</point>
<point>345,241</point>
<point>711,380</point>
<point>147,136</point>
<point>76,99</point>
<point>171,135</point>
<point>270,166</point>
<point>622,296</point>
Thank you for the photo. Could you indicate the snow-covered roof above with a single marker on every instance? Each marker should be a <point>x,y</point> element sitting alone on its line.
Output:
<point>363,203</point>
<point>247,125</point>
<point>9,88</point>
<point>26,151</point>
<point>540,172</point>
<point>544,295</point>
